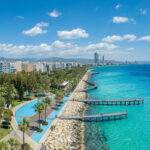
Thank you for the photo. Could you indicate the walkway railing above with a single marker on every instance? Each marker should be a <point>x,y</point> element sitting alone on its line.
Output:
<point>112,102</point>
<point>100,117</point>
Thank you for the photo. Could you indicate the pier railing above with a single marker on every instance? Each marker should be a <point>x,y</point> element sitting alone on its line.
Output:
<point>112,102</point>
<point>100,117</point>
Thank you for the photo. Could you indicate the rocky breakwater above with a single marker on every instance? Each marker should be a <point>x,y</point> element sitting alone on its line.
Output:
<point>68,134</point>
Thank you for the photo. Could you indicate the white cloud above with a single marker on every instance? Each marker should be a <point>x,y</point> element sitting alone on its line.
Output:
<point>73,34</point>
<point>54,13</point>
<point>37,29</point>
<point>130,37</point>
<point>57,48</point>
<point>117,19</point>
<point>42,24</point>
<point>145,38</point>
<point>60,44</point>
<point>130,49</point>
<point>101,46</point>
<point>143,11</point>
<point>114,38</point>
<point>117,6</point>
<point>20,17</point>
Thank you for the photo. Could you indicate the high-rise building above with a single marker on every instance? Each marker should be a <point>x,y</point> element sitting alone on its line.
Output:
<point>103,59</point>
<point>96,58</point>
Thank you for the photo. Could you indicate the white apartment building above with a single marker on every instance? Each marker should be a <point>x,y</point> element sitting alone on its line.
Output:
<point>6,67</point>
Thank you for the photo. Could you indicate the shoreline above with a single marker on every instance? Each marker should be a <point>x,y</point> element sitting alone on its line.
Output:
<point>69,134</point>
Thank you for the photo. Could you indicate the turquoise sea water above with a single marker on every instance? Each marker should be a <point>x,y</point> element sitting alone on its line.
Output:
<point>120,82</point>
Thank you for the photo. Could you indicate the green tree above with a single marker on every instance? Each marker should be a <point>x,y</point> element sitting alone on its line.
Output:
<point>24,126</point>
<point>14,94</point>
<point>47,101</point>
<point>3,91</point>
<point>39,107</point>
<point>14,144</point>
<point>20,83</point>
<point>31,82</point>
<point>11,93</point>
<point>4,146</point>
<point>21,92</point>
<point>59,95</point>
<point>2,106</point>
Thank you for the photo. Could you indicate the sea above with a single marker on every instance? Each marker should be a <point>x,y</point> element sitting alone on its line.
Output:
<point>120,82</point>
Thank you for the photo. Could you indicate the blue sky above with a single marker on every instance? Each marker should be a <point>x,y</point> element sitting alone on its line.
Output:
<point>75,28</point>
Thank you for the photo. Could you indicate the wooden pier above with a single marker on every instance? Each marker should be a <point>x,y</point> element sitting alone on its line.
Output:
<point>94,72</point>
<point>112,102</point>
<point>101,117</point>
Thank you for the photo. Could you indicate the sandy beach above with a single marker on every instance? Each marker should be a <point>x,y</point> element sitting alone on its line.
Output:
<point>69,134</point>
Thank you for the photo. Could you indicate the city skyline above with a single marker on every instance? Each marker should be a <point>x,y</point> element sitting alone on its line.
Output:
<point>75,29</point>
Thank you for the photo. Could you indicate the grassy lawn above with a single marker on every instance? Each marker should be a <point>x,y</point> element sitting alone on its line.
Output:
<point>4,132</point>
<point>17,102</point>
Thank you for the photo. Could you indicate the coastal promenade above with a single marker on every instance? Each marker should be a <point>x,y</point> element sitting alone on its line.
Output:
<point>68,134</point>
<point>94,86</point>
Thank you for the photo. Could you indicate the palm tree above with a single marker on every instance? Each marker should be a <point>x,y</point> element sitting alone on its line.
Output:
<point>39,107</point>
<point>24,126</point>
<point>3,146</point>
<point>14,94</point>
<point>47,101</point>
<point>14,144</point>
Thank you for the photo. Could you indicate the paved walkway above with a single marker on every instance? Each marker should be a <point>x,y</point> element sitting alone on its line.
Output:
<point>18,133</point>
<point>35,118</point>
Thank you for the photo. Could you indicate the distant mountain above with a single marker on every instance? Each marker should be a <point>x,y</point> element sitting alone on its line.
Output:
<point>2,58</point>
<point>51,59</point>
<point>58,59</point>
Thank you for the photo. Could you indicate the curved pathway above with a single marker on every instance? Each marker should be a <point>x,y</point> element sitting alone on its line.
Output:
<point>18,133</point>
<point>94,85</point>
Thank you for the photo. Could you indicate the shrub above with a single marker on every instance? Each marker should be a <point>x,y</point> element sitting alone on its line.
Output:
<point>26,146</point>
<point>56,108</point>
<point>45,123</point>
<point>8,111</point>
<point>52,127</point>
<point>5,125</point>
<point>39,130</point>
<point>7,116</point>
